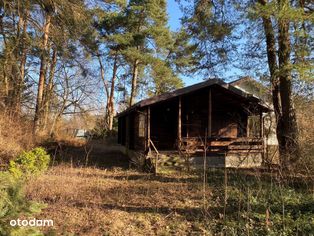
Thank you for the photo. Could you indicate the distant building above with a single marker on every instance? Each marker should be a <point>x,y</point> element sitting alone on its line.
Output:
<point>238,125</point>
<point>81,133</point>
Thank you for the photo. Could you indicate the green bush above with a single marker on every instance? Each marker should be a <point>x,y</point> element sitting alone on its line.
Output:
<point>13,204</point>
<point>29,163</point>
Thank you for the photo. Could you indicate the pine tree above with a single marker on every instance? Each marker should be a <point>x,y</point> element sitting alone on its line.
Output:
<point>163,78</point>
<point>148,36</point>
<point>209,27</point>
<point>136,36</point>
<point>111,26</point>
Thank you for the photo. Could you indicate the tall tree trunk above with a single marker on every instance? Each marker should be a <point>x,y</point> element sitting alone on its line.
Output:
<point>110,102</point>
<point>6,85</point>
<point>273,69</point>
<point>14,75</point>
<point>106,87</point>
<point>4,68</point>
<point>134,82</point>
<point>42,76</point>
<point>59,113</point>
<point>289,148</point>
<point>287,134</point>
<point>49,88</point>
<point>272,61</point>
<point>102,74</point>
<point>23,58</point>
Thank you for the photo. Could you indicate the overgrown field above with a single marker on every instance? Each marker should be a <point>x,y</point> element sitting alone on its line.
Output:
<point>90,190</point>
<point>91,201</point>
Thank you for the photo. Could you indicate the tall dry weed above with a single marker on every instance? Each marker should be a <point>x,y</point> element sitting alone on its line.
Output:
<point>15,136</point>
<point>305,111</point>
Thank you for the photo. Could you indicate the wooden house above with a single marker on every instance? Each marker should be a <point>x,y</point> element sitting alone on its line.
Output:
<point>211,117</point>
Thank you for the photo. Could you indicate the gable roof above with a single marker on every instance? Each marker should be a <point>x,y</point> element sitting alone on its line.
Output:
<point>249,85</point>
<point>189,89</point>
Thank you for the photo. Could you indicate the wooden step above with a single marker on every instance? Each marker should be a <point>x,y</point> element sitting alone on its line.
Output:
<point>245,147</point>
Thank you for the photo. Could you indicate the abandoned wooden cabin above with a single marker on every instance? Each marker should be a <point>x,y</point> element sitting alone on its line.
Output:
<point>179,122</point>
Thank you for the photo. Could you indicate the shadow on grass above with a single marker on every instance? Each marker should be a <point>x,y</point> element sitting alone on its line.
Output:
<point>90,155</point>
<point>188,213</point>
<point>151,177</point>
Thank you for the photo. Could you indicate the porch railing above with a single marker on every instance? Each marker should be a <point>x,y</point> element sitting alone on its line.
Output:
<point>151,143</point>
<point>224,145</point>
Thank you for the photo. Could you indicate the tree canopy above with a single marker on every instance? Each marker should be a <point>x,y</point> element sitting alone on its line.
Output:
<point>59,58</point>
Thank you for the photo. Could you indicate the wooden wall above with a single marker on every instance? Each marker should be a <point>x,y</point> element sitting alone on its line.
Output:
<point>229,115</point>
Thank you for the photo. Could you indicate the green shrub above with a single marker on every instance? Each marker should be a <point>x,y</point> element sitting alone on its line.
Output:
<point>13,204</point>
<point>30,163</point>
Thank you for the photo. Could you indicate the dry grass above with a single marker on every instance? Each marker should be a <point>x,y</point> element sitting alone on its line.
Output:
<point>70,141</point>
<point>107,198</point>
<point>89,201</point>
<point>15,136</point>
<point>305,121</point>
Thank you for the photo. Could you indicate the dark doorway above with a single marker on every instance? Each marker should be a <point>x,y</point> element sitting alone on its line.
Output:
<point>164,124</point>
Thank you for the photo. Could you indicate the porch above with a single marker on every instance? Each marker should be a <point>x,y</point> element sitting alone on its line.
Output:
<point>229,123</point>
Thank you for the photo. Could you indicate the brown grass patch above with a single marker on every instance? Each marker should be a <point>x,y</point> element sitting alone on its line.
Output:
<point>89,201</point>
<point>15,136</point>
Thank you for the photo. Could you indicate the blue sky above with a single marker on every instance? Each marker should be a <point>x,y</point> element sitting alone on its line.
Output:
<point>174,14</point>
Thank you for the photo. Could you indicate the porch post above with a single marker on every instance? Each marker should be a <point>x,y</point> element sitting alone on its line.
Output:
<point>127,131</point>
<point>209,113</point>
<point>179,121</point>
<point>263,139</point>
<point>261,124</point>
<point>148,126</point>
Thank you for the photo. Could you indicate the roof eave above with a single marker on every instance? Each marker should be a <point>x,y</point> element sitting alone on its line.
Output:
<point>189,89</point>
